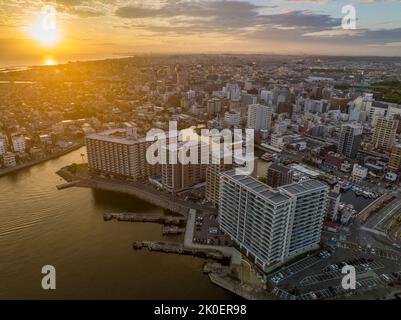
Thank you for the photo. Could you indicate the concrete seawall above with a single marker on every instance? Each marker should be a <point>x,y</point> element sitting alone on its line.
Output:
<point>136,192</point>
<point>145,193</point>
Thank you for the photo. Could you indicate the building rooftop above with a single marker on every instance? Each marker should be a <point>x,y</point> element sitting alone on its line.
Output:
<point>280,168</point>
<point>304,187</point>
<point>121,136</point>
<point>268,193</point>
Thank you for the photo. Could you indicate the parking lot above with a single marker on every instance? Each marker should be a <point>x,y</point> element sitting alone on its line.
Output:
<point>387,254</point>
<point>207,231</point>
<point>320,276</point>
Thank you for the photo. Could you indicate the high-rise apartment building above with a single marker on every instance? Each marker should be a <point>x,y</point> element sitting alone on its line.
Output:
<point>259,117</point>
<point>214,107</point>
<point>307,218</point>
<point>350,140</point>
<point>278,175</point>
<point>333,204</point>
<point>384,133</point>
<point>116,153</point>
<point>395,158</point>
<point>219,163</point>
<point>232,119</point>
<point>18,142</point>
<point>271,225</point>
<point>180,175</point>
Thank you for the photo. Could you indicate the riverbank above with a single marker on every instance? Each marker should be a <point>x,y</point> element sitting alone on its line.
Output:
<point>4,172</point>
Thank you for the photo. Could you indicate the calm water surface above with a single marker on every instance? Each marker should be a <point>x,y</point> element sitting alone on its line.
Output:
<point>40,225</point>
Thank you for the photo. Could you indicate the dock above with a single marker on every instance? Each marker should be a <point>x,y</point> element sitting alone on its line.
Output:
<point>178,248</point>
<point>67,185</point>
<point>172,230</point>
<point>146,217</point>
<point>215,267</point>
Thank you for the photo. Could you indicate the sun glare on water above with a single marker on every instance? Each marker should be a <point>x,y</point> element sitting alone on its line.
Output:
<point>49,61</point>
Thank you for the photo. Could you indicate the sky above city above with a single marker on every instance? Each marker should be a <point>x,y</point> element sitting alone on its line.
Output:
<point>30,32</point>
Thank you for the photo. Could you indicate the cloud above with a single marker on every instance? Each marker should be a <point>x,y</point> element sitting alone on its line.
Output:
<point>246,21</point>
<point>220,16</point>
<point>79,8</point>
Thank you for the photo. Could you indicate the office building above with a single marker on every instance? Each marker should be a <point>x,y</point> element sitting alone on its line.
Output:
<point>350,140</point>
<point>384,133</point>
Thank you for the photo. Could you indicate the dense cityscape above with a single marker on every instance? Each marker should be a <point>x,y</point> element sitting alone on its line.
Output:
<point>323,192</point>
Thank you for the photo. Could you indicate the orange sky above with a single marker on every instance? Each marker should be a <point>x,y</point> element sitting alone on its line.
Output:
<point>100,28</point>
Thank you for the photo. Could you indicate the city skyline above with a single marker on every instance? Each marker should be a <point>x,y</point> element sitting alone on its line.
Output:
<point>98,29</point>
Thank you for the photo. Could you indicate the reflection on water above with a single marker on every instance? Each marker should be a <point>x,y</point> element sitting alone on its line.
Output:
<point>358,202</point>
<point>40,225</point>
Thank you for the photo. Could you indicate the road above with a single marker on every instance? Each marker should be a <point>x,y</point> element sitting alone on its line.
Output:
<point>383,218</point>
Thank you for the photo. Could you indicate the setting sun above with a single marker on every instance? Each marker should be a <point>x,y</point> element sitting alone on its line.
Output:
<point>49,61</point>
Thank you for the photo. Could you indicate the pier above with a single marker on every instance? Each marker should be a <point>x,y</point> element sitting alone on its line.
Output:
<point>172,230</point>
<point>143,217</point>
<point>178,248</point>
<point>67,185</point>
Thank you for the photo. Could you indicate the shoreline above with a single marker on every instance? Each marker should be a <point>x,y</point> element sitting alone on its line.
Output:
<point>139,190</point>
<point>4,172</point>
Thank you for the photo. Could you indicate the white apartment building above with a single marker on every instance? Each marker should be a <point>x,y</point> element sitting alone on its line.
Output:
<point>316,106</point>
<point>271,225</point>
<point>233,92</point>
<point>232,119</point>
<point>18,143</point>
<point>333,204</point>
<point>267,96</point>
<point>306,224</point>
<point>359,173</point>
<point>277,141</point>
<point>393,109</point>
<point>9,160</point>
<point>259,117</point>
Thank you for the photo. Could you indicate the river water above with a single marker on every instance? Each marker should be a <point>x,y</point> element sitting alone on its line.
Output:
<point>40,225</point>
